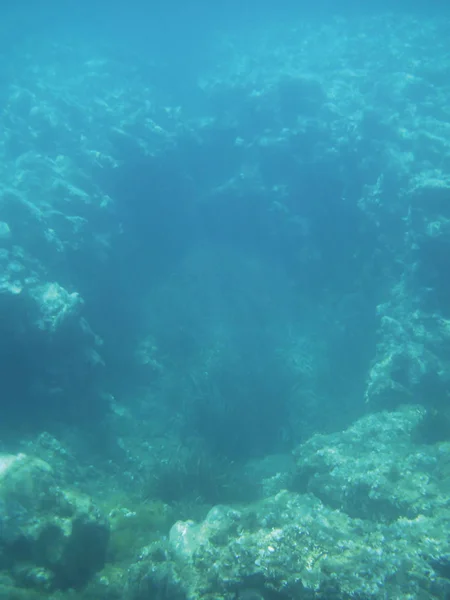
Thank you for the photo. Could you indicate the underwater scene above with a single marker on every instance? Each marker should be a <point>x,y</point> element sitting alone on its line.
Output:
<point>224,301</point>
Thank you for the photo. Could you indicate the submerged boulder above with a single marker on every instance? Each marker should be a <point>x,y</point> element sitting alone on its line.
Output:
<point>368,518</point>
<point>49,537</point>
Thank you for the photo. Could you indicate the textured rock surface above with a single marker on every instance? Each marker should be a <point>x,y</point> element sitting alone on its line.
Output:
<point>369,526</point>
<point>49,537</point>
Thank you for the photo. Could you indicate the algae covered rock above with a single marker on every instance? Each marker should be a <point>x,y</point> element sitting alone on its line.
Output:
<point>293,546</point>
<point>369,519</point>
<point>49,537</point>
<point>375,469</point>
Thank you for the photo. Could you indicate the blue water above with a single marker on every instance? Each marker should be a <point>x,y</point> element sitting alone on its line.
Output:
<point>188,179</point>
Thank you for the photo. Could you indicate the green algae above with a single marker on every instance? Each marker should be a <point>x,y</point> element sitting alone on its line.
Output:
<point>134,525</point>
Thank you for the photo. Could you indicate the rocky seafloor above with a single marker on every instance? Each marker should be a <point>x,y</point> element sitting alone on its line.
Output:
<point>311,459</point>
<point>359,514</point>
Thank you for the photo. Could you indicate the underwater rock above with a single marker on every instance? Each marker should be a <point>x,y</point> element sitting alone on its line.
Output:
<point>369,519</point>
<point>49,537</point>
<point>359,472</point>
<point>56,305</point>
